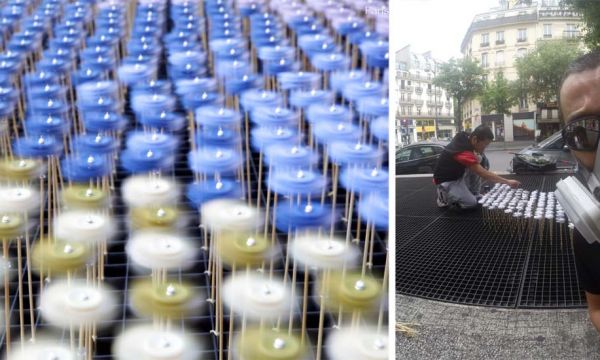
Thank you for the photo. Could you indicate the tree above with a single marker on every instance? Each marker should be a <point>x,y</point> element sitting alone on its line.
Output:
<point>540,72</point>
<point>462,79</point>
<point>499,95</point>
<point>590,11</point>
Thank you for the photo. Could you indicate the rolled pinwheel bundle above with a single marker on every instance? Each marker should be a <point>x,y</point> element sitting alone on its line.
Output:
<point>219,137</point>
<point>170,300</point>
<point>97,144</point>
<point>263,137</point>
<point>350,291</point>
<point>376,53</point>
<point>143,140</point>
<point>364,180</point>
<point>83,197</point>
<point>42,349</point>
<point>355,91</point>
<point>329,62</point>
<point>275,117</point>
<point>85,168</point>
<point>240,249</point>
<point>53,126</point>
<point>218,116</point>
<point>19,199</point>
<point>328,113</point>
<point>146,160</point>
<point>259,98</point>
<point>303,99</point>
<point>65,304</point>
<point>143,191</point>
<point>259,343</point>
<point>341,79</point>
<point>130,74</point>
<point>162,218</point>
<point>374,208</point>
<point>349,153</point>
<point>235,85</point>
<point>83,226</point>
<point>379,128</point>
<point>327,132</point>
<point>371,107</point>
<point>296,182</point>
<point>230,215</point>
<point>304,216</point>
<point>19,169</point>
<point>201,192</point>
<point>290,156</point>
<point>212,160</point>
<point>11,225</point>
<point>150,250</point>
<point>163,121</point>
<point>257,296</point>
<point>146,342</point>
<point>37,147</point>
<point>299,80</point>
<point>362,343</point>
<point>60,257</point>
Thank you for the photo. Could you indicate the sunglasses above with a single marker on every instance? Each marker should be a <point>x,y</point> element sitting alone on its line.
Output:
<point>582,134</point>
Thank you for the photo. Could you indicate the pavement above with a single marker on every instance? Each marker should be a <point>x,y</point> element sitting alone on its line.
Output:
<point>450,331</point>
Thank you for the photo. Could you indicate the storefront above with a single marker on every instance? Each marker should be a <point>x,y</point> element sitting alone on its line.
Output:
<point>524,126</point>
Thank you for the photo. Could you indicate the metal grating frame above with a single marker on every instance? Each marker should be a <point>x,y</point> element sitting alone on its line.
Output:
<point>455,257</point>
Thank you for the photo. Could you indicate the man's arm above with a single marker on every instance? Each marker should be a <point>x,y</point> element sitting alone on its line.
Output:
<point>593,301</point>
<point>490,176</point>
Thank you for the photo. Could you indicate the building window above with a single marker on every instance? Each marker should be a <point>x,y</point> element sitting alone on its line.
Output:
<point>521,35</point>
<point>547,30</point>
<point>499,58</point>
<point>418,110</point>
<point>521,52</point>
<point>402,97</point>
<point>499,37</point>
<point>484,60</point>
<point>571,31</point>
<point>485,39</point>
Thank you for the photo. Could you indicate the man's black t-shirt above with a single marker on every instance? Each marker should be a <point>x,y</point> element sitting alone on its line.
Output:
<point>587,263</point>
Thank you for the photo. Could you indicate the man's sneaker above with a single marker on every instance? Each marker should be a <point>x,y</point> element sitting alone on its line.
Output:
<point>442,199</point>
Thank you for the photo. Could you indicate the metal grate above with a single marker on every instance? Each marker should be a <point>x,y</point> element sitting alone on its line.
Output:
<point>447,256</point>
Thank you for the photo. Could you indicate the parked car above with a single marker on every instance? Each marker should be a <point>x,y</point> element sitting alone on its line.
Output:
<point>549,155</point>
<point>419,158</point>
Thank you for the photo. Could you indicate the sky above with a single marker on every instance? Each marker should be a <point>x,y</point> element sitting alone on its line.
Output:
<point>433,25</point>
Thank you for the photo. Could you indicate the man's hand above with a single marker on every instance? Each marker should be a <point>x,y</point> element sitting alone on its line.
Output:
<point>513,183</point>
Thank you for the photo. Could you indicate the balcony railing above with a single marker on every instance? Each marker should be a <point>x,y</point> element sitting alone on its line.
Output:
<point>407,89</point>
<point>419,90</point>
<point>521,40</point>
<point>437,92</point>
<point>417,102</point>
<point>433,103</point>
<point>484,44</point>
<point>499,42</point>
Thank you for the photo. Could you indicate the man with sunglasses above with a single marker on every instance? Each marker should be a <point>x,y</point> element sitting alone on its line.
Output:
<point>580,109</point>
<point>461,167</point>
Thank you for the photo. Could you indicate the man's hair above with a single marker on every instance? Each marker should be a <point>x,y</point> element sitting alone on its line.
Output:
<point>483,132</point>
<point>589,61</point>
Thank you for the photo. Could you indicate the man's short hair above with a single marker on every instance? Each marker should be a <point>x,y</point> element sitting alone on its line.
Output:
<point>483,132</point>
<point>589,61</point>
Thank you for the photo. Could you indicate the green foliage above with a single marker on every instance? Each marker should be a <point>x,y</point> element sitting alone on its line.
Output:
<point>462,79</point>
<point>590,11</point>
<point>499,95</point>
<point>540,72</point>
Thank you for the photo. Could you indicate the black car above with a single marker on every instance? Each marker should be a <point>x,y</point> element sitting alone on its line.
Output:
<point>550,155</point>
<point>419,158</point>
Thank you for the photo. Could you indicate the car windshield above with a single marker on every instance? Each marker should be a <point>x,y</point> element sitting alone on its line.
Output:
<point>550,140</point>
